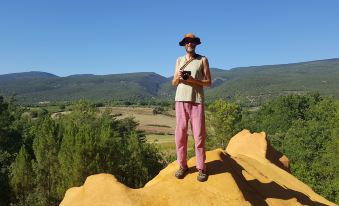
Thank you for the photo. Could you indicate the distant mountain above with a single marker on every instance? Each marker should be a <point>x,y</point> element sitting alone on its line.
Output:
<point>26,75</point>
<point>129,86</point>
<point>246,85</point>
<point>258,84</point>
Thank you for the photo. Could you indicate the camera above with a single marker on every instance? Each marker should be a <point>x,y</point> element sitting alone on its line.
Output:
<point>186,74</point>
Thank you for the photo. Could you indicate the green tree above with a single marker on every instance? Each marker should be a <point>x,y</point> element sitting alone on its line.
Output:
<point>131,170</point>
<point>22,178</point>
<point>95,143</point>
<point>5,193</point>
<point>78,152</point>
<point>62,152</point>
<point>222,119</point>
<point>45,164</point>
<point>310,145</point>
<point>278,115</point>
<point>10,129</point>
<point>11,139</point>
<point>305,128</point>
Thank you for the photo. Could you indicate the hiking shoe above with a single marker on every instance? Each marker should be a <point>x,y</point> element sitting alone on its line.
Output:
<point>202,176</point>
<point>181,173</point>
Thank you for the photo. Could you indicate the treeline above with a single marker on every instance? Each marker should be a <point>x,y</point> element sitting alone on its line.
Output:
<point>109,103</point>
<point>42,157</point>
<point>303,127</point>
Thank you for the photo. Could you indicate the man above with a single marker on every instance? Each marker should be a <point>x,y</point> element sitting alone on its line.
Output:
<point>189,105</point>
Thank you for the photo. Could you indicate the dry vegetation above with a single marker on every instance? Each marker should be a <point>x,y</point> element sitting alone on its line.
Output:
<point>159,128</point>
<point>150,123</point>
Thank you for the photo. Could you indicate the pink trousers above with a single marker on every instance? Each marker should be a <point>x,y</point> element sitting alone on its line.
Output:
<point>193,113</point>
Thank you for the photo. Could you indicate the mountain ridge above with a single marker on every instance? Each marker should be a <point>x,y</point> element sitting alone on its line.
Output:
<point>245,67</point>
<point>246,85</point>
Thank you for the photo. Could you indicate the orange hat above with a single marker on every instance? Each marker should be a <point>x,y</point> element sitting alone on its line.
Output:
<point>189,37</point>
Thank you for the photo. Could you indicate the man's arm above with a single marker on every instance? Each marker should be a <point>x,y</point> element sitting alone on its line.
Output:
<point>177,76</point>
<point>206,82</point>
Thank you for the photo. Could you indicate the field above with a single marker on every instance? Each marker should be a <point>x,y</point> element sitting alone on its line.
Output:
<point>150,123</point>
<point>166,143</point>
<point>159,128</point>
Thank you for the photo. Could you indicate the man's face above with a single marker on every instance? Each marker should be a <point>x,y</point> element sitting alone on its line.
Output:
<point>190,47</point>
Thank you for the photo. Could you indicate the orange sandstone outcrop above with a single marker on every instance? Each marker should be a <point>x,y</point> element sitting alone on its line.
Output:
<point>248,172</point>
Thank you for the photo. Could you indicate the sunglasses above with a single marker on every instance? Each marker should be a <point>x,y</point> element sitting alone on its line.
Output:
<point>190,41</point>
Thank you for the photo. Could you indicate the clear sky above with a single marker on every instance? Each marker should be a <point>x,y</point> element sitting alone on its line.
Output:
<point>66,37</point>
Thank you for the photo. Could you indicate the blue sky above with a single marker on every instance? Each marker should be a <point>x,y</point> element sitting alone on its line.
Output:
<point>108,37</point>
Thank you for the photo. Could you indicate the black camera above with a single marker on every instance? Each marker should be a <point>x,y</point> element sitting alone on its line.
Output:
<point>186,74</point>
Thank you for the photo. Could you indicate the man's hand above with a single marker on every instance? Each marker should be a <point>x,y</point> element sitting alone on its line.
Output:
<point>180,76</point>
<point>177,78</point>
<point>190,80</point>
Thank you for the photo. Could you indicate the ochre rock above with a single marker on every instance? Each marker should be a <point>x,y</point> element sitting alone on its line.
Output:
<point>256,146</point>
<point>244,174</point>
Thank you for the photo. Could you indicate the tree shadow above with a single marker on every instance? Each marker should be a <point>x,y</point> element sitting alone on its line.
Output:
<point>254,191</point>
<point>274,156</point>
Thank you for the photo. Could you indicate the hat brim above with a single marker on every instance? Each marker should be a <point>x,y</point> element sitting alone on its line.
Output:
<point>196,40</point>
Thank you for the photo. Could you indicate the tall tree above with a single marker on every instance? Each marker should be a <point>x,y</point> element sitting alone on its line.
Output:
<point>22,178</point>
<point>11,139</point>
<point>222,119</point>
<point>45,165</point>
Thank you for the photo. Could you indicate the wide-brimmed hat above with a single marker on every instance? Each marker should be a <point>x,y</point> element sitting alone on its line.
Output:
<point>189,38</point>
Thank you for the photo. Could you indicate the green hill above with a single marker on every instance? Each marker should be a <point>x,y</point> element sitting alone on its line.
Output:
<point>246,85</point>
<point>95,87</point>
<point>256,85</point>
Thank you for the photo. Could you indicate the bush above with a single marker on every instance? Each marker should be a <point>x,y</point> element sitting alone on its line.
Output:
<point>158,110</point>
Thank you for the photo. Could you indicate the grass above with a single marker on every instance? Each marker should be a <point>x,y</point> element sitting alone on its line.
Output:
<point>150,123</point>
<point>166,143</point>
<point>51,109</point>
